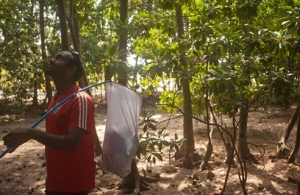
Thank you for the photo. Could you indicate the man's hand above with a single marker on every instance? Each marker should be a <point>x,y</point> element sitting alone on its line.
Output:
<point>17,137</point>
<point>67,142</point>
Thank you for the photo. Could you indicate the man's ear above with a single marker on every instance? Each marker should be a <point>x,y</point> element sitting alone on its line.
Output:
<point>72,69</point>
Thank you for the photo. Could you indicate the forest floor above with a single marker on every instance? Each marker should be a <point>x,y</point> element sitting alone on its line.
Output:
<point>23,172</point>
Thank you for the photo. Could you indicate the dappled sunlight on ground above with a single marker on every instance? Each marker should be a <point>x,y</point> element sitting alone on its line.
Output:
<point>23,172</point>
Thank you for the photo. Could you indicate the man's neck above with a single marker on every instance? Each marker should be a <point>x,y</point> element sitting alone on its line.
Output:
<point>61,87</point>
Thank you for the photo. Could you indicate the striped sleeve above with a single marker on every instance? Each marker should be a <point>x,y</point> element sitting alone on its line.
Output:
<point>81,114</point>
<point>83,110</point>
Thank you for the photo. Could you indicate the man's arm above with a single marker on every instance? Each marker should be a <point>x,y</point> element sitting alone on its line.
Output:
<point>60,142</point>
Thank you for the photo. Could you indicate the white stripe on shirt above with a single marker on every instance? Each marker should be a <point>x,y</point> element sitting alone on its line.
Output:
<point>83,110</point>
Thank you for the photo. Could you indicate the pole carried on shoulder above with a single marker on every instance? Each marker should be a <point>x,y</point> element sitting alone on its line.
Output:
<point>52,109</point>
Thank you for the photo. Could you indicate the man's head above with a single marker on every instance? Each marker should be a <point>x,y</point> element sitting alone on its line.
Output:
<point>65,65</point>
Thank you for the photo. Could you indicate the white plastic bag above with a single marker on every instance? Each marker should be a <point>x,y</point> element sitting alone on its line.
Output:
<point>121,133</point>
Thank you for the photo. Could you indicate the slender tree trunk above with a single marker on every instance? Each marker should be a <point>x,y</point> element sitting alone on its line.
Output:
<point>65,46</point>
<point>210,129</point>
<point>291,124</point>
<point>83,82</point>
<point>35,75</point>
<point>75,34</point>
<point>208,152</point>
<point>294,154</point>
<point>133,181</point>
<point>282,150</point>
<point>122,65</point>
<point>63,24</point>
<point>43,47</point>
<point>35,90</point>
<point>243,148</point>
<point>188,146</point>
<point>228,141</point>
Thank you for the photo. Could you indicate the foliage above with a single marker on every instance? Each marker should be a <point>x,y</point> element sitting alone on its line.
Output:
<point>235,53</point>
<point>153,140</point>
<point>254,43</point>
<point>20,62</point>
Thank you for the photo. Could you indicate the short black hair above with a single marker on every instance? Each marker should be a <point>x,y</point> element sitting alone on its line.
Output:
<point>75,60</point>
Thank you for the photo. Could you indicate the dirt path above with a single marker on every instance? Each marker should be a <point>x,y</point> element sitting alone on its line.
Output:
<point>23,172</point>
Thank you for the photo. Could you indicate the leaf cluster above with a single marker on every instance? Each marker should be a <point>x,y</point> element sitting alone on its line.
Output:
<point>154,140</point>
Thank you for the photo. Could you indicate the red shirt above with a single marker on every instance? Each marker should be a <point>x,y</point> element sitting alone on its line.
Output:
<point>71,171</point>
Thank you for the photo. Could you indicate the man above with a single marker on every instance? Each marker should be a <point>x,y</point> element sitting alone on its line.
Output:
<point>69,136</point>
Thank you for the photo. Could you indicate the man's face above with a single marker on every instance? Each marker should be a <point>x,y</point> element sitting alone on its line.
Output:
<point>59,65</point>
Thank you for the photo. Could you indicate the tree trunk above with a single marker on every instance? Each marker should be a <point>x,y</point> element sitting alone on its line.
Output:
<point>282,150</point>
<point>35,91</point>
<point>294,154</point>
<point>243,148</point>
<point>208,152</point>
<point>83,82</point>
<point>133,181</point>
<point>35,75</point>
<point>75,34</point>
<point>122,65</point>
<point>63,24</point>
<point>43,48</point>
<point>188,146</point>
<point>210,129</point>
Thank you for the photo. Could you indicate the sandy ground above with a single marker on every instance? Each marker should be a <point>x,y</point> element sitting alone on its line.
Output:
<point>23,172</point>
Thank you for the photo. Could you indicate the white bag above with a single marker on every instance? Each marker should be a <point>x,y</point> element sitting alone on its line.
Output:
<point>121,133</point>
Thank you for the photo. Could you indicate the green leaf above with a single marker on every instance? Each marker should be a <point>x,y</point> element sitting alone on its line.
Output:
<point>145,128</point>
<point>160,132</point>
<point>223,50</point>
<point>152,71</point>
<point>158,156</point>
<point>177,148</point>
<point>218,28</point>
<point>154,160</point>
<point>165,143</point>
<point>160,146</point>
<point>172,146</point>
<point>222,87</point>
<point>287,8</point>
<point>151,126</point>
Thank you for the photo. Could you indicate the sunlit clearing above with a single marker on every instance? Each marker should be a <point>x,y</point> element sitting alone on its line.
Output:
<point>182,185</point>
<point>276,186</point>
<point>270,167</point>
<point>254,179</point>
<point>164,185</point>
<point>156,116</point>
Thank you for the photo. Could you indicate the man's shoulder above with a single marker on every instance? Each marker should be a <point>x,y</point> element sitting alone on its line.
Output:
<point>83,98</point>
<point>84,95</point>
